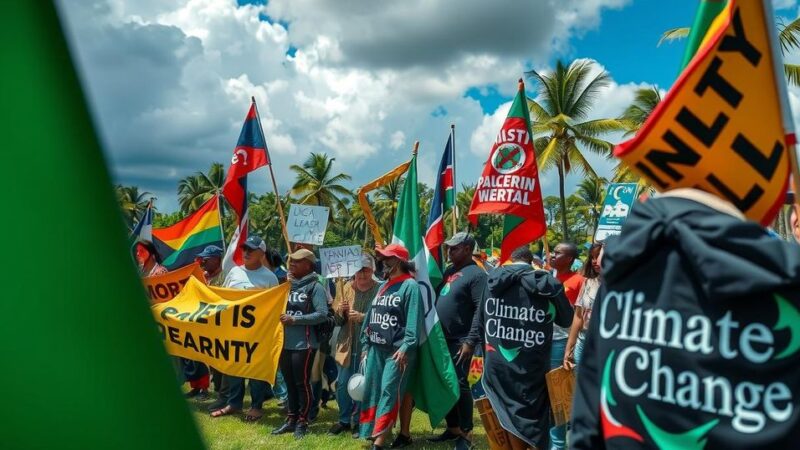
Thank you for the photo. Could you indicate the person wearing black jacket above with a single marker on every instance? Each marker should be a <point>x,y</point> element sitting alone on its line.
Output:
<point>516,317</point>
<point>459,300</point>
<point>694,340</point>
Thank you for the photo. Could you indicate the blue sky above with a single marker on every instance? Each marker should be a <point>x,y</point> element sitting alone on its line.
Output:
<point>169,81</point>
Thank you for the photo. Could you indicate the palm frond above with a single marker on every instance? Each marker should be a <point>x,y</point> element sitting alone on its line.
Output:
<point>599,126</point>
<point>789,35</point>
<point>792,72</point>
<point>674,34</point>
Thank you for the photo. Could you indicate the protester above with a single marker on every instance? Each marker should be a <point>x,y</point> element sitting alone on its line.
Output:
<point>251,275</point>
<point>459,300</point>
<point>564,256</point>
<point>694,342</point>
<point>210,260</point>
<point>355,298</point>
<point>389,336</point>
<point>306,306</point>
<point>518,311</point>
<point>583,307</point>
<point>148,259</point>
<point>273,262</point>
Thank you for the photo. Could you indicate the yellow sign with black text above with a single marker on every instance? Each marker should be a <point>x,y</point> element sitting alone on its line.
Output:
<point>238,332</point>
<point>163,288</point>
<point>721,127</point>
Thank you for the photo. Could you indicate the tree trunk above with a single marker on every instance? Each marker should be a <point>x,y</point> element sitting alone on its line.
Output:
<point>565,231</point>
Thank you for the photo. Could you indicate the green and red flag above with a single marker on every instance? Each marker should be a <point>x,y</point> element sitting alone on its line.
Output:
<point>509,184</point>
<point>434,385</point>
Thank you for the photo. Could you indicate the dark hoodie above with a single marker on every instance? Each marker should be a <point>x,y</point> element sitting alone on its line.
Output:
<point>516,317</point>
<point>308,305</point>
<point>694,337</point>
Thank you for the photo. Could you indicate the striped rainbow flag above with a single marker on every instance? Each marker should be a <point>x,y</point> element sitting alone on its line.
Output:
<point>179,244</point>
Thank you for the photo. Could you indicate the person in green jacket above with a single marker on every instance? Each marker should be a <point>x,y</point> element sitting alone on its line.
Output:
<point>389,336</point>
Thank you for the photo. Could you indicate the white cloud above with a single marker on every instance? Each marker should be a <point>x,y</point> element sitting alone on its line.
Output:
<point>170,80</point>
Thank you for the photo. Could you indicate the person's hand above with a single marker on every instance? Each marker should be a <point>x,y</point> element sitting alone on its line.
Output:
<point>400,358</point>
<point>356,316</point>
<point>465,353</point>
<point>568,363</point>
<point>287,319</point>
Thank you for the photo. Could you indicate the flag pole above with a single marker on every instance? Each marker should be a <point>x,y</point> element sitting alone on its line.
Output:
<point>274,184</point>
<point>415,150</point>
<point>454,213</point>
<point>790,138</point>
<point>221,229</point>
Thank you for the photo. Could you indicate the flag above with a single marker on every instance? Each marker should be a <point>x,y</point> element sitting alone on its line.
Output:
<point>707,10</point>
<point>383,180</point>
<point>509,184</point>
<point>434,385</point>
<point>87,333</point>
<point>443,201</point>
<point>249,154</point>
<point>144,229</point>
<point>725,126</point>
<point>179,244</point>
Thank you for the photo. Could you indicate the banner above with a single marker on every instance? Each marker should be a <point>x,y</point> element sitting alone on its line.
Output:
<point>721,126</point>
<point>340,261</point>
<point>619,200</point>
<point>238,332</point>
<point>163,288</point>
<point>307,224</point>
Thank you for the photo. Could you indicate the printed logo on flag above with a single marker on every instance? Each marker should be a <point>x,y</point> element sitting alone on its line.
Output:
<point>508,158</point>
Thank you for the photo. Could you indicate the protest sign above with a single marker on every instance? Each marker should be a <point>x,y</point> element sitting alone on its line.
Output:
<point>307,224</point>
<point>340,261</point>
<point>616,207</point>
<point>722,126</point>
<point>236,331</point>
<point>162,288</point>
<point>560,386</point>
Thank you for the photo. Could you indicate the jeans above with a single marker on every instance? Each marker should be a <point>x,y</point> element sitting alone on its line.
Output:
<point>460,416</point>
<point>296,369</point>
<point>558,435</point>
<point>349,409</point>
<point>279,389</point>
<point>259,391</point>
<point>578,352</point>
<point>557,353</point>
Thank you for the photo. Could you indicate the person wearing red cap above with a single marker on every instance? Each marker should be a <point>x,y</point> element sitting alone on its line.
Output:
<point>389,336</point>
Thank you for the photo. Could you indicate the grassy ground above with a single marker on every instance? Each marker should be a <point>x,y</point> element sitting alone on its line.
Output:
<point>231,432</point>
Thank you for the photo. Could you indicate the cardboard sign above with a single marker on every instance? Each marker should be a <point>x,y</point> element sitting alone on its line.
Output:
<point>560,387</point>
<point>620,198</point>
<point>307,224</point>
<point>340,261</point>
<point>721,126</point>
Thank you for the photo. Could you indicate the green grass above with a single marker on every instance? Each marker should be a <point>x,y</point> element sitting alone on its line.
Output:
<point>232,433</point>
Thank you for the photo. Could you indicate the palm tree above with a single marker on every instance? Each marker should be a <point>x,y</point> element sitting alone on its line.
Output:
<point>196,189</point>
<point>386,201</point>
<point>131,202</point>
<point>788,35</point>
<point>558,118</point>
<point>316,184</point>
<point>635,115</point>
<point>590,193</point>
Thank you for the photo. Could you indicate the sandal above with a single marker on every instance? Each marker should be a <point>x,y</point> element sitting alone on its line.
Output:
<point>253,415</point>
<point>224,411</point>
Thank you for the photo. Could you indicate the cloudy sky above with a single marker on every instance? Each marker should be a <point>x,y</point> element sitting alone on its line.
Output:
<point>169,81</point>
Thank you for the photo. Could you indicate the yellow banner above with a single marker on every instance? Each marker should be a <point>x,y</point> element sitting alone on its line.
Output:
<point>385,179</point>
<point>720,128</point>
<point>163,288</point>
<point>238,332</point>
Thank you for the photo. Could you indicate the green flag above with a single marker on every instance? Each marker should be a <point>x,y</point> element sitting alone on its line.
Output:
<point>434,385</point>
<point>706,12</point>
<point>83,364</point>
